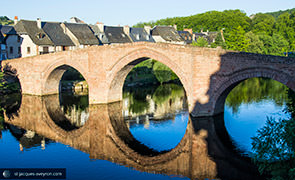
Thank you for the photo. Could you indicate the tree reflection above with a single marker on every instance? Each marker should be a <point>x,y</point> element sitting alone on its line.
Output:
<point>255,90</point>
<point>154,100</point>
<point>274,146</point>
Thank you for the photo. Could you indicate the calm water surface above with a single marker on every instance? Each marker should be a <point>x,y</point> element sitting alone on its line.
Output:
<point>143,137</point>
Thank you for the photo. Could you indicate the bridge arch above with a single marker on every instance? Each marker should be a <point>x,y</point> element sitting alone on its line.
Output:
<point>220,95</point>
<point>53,74</point>
<point>125,64</point>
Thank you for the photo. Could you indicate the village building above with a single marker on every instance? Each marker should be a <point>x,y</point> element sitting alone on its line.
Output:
<point>61,41</point>
<point>12,40</point>
<point>80,34</point>
<point>98,30</point>
<point>116,34</point>
<point>186,36</point>
<point>166,34</point>
<point>34,40</point>
<point>140,34</point>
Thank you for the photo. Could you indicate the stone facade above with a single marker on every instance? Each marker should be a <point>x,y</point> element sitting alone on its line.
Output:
<point>207,74</point>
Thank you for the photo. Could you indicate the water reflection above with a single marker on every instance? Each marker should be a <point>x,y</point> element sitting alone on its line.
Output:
<point>68,111</point>
<point>247,107</point>
<point>158,117</point>
<point>259,119</point>
<point>105,136</point>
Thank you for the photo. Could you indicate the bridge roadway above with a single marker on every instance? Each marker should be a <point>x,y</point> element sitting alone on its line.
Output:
<point>207,74</point>
<point>200,154</point>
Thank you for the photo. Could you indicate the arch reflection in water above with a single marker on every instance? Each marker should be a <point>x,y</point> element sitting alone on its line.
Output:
<point>249,105</point>
<point>156,116</point>
<point>200,153</point>
<point>67,110</point>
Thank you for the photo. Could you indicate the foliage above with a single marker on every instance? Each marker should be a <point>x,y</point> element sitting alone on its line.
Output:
<point>268,33</point>
<point>163,73</point>
<point>274,145</point>
<point>278,13</point>
<point>255,44</point>
<point>201,42</point>
<point>4,20</point>
<point>236,39</point>
<point>218,42</point>
<point>263,23</point>
<point>212,21</point>
<point>255,90</point>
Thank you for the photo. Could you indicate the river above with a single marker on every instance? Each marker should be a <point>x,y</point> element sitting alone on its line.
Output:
<point>149,135</point>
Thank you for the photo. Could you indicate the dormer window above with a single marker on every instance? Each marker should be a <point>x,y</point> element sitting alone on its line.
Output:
<point>147,37</point>
<point>123,35</point>
<point>40,36</point>
<point>110,34</point>
<point>137,36</point>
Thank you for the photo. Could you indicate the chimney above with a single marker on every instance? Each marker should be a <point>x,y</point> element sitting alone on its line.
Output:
<point>100,26</point>
<point>15,20</point>
<point>175,27</point>
<point>39,23</point>
<point>189,30</point>
<point>126,30</point>
<point>148,29</point>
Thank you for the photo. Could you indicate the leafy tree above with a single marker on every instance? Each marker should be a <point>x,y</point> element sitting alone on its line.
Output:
<point>285,25</point>
<point>163,73</point>
<point>263,23</point>
<point>201,42</point>
<point>255,44</point>
<point>236,39</point>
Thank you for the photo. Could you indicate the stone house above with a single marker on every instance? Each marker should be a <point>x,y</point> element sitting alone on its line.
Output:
<point>61,41</point>
<point>166,34</point>
<point>98,30</point>
<point>140,34</point>
<point>34,40</point>
<point>116,34</point>
<point>12,40</point>
<point>80,34</point>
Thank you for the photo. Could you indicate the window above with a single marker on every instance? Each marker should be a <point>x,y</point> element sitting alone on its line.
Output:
<point>137,36</point>
<point>19,50</point>
<point>123,35</point>
<point>28,50</point>
<point>147,37</point>
<point>11,50</point>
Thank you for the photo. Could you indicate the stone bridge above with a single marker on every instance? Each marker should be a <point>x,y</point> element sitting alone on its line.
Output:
<point>207,75</point>
<point>200,154</point>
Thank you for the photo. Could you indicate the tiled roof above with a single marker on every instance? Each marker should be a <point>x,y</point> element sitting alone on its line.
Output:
<point>100,35</point>
<point>38,36</point>
<point>56,34</point>
<point>167,33</point>
<point>83,33</point>
<point>7,29</point>
<point>139,34</point>
<point>116,35</point>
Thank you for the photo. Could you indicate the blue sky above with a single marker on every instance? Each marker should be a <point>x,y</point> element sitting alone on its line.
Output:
<point>130,12</point>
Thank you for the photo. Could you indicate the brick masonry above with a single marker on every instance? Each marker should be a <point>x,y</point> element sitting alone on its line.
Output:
<point>207,75</point>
